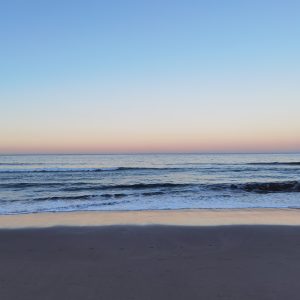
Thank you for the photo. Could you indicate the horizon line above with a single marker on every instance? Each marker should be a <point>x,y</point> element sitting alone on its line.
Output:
<point>151,153</point>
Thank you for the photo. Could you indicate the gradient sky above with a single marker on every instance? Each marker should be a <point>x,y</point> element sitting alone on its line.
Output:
<point>144,76</point>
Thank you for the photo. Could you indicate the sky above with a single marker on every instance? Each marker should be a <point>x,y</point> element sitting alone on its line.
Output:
<point>124,76</point>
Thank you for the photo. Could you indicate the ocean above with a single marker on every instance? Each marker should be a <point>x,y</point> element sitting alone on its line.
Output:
<point>40,183</point>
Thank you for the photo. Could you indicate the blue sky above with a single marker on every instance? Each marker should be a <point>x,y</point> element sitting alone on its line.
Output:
<point>149,75</point>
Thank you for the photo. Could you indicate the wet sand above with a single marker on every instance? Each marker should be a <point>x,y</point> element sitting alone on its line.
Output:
<point>150,262</point>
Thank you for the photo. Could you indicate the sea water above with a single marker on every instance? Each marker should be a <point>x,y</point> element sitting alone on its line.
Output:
<point>38,183</point>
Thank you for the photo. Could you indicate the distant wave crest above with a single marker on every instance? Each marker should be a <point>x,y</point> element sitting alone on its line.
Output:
<point>291,163</point>
<point>254,187</point>
<point>58,170</point>
<point>137,186</point>
<point>269,187</point>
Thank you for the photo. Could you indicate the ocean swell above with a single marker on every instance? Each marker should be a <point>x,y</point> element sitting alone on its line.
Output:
<point>269,187</point>
<point>291,163</point>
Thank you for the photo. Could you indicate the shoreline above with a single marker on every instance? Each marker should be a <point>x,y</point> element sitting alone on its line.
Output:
<point>181,217</point>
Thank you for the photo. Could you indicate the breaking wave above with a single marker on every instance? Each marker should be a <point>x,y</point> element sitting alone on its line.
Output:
<point>269,187</point>
<point>156,188</point>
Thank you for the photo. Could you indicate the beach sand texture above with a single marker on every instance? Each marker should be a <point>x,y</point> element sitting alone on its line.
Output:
<point>54,259</point>
<point>150,262</point>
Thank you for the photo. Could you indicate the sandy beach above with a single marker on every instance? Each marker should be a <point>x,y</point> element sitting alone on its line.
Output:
<point>71,256</point>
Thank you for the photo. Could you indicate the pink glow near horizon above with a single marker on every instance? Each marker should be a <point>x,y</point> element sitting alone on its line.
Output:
<point>267,144</point>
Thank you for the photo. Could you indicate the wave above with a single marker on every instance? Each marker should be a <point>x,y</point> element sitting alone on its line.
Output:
<point>276,163</point>
<point>256,187</point>
<point>146,168</point>
<point>81,186</point>
<point>87,197</point>
<point>21,164</point>
<point>30,184</point>
<point>53,198</point>
<point>159,188</point>
<point>215,169</point>
<point>58,170</point>
<point>113,198</point>
<point>137,186</point>
<point>269,187</point>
